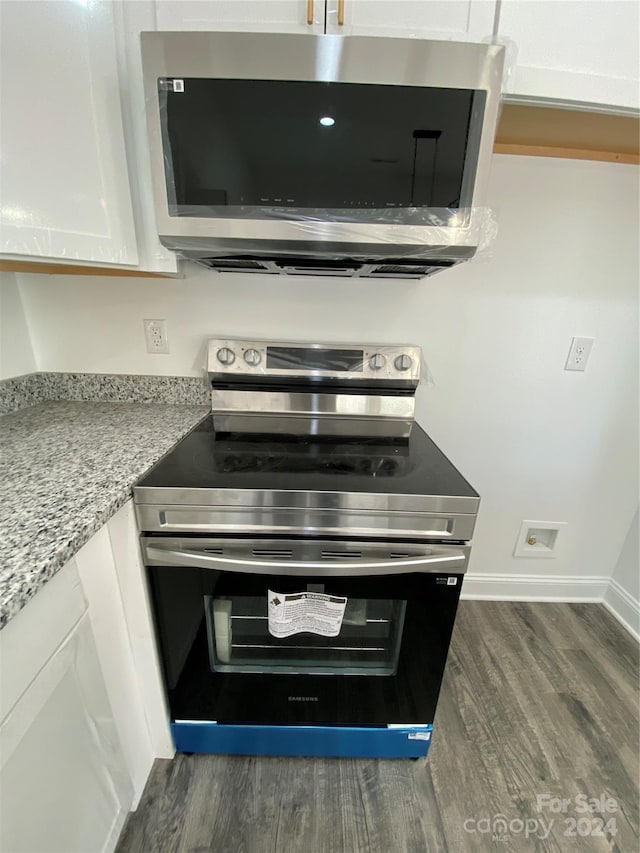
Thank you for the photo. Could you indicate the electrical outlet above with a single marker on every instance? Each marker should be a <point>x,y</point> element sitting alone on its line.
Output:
<point>579,353</point>
<point>155,332</point>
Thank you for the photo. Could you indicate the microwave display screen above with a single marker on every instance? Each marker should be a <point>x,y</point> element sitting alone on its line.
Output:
<point>272,148</point>
<point>312,358</point>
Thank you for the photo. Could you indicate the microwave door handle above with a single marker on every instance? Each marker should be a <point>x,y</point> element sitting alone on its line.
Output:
<point>446,559</point>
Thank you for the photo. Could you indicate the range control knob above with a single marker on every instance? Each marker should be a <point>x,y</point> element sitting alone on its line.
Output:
<point>226,356</point>
<point>403,362</point>
<point>377,361</point>
<point>252,357</point>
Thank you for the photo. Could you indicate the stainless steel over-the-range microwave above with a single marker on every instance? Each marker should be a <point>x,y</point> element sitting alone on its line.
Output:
<point>324,154</point>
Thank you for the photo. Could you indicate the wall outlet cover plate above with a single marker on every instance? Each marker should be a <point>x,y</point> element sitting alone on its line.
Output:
<point>578,354</point>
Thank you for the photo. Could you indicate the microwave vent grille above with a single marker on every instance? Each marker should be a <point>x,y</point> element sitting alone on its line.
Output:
<point>347,268</point>
<point>236,265</point>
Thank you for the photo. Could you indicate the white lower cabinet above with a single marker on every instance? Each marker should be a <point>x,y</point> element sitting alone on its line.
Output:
<point>136,607</point>
<point>106,615</point>
<point>64,784</point>
<point>82,707</point>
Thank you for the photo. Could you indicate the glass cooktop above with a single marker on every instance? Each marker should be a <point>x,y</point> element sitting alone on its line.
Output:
<point>206,459</point>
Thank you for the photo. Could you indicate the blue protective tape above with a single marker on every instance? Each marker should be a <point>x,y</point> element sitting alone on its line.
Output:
<point>338,741</point>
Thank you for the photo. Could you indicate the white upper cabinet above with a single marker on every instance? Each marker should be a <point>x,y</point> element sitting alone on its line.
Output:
<point>466,20</point>
<point>571,51</point>
<point>456,20</point>
<point>265,16</point>
<point>63,170</point>
<point>75,177</point>
<point>562,51</point>
<point>131,18</point>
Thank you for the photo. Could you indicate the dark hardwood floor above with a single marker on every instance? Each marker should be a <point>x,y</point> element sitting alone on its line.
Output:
<point>538,699</point>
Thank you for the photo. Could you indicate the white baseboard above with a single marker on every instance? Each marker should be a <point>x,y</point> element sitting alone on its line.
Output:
<point>624,607</point>
<point>598,590</point>
<point>534,588</point>
<point>116,830</point>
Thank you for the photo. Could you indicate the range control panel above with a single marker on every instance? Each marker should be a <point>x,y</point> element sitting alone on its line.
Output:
<point>377,362</point>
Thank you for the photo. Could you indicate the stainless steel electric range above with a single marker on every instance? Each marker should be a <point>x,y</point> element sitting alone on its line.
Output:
<point>305,546</point>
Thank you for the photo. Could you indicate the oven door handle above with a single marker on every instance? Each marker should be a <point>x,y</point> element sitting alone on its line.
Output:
<point>443,559</point>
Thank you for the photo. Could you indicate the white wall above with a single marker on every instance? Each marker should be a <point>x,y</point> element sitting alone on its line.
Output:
<point>16,353</point>
<point>536,442</point>
<point>623,593</point>
<point>627,570</point>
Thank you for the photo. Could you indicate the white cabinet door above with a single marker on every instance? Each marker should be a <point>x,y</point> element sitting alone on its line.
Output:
<point>266,16</point>
<point>574,51</point>
<point>65,186</point>
<point>134,593</point>
<point>457,20</point>
<point>64,788</point>
<point>63,780</point>
<point>99,578</point>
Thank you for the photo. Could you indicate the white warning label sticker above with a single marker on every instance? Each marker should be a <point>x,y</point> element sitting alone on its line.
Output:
<point>305,612</point>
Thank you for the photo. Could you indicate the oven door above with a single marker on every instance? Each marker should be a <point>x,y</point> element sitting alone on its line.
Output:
<point>303,632</point>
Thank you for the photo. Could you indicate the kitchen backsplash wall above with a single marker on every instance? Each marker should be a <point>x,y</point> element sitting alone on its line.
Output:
<point>538,443</point>
<point>34,388</point>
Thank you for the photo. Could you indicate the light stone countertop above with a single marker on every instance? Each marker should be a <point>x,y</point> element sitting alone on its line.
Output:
<point>65,469</point>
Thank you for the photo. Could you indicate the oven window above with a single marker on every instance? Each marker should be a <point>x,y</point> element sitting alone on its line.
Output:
<point>368,642</point>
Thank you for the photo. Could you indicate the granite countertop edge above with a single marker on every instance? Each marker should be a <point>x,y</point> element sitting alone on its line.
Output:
<point>35,579</point>
<point>56,500</point>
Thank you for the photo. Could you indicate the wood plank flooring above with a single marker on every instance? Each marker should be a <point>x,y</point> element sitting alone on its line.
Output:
<point>538,699</point>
